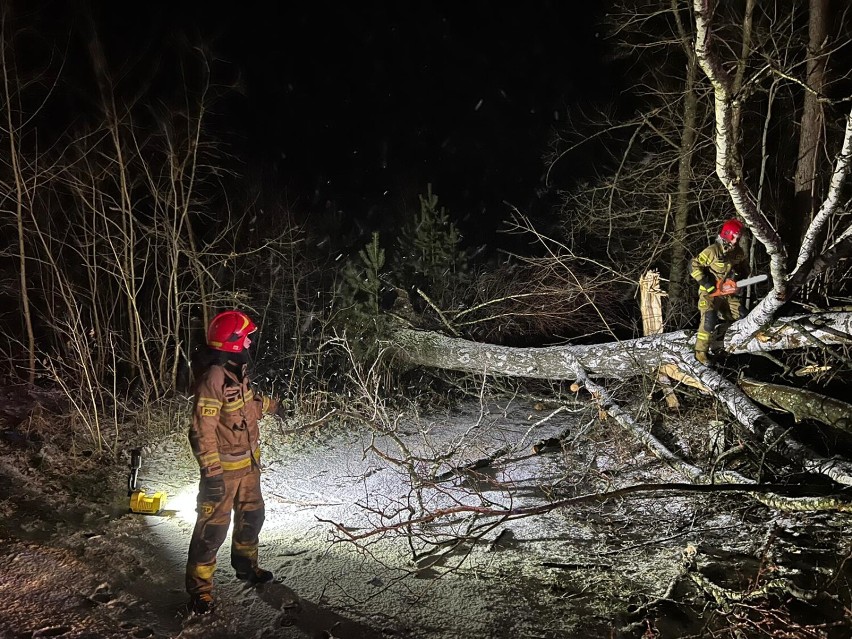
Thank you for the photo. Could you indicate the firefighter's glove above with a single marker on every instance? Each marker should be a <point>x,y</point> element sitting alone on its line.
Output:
<point>707,289</point>
<point>707,285</point>
<point>212,488</point>
<point>726,287</point>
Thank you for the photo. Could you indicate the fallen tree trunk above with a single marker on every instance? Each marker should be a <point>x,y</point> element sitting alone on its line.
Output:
<point>801,403</point>
<point>618,360</point>
<point>644,355</point>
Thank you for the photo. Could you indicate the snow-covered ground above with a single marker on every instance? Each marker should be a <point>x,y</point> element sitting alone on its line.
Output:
<point>575,572</point>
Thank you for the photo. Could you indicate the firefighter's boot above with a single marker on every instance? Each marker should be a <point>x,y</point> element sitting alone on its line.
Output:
<point>201,604</point>
<point>255,575</point>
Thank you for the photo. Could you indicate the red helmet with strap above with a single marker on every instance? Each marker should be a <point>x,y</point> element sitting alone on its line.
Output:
<point>731,231</point>
<point>227,331</point>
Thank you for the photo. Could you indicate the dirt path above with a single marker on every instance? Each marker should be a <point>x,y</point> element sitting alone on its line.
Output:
<point>74,564</point>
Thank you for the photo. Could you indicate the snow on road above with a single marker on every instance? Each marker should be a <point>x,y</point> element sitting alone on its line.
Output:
<point>569,573</point>
<point>378,584</point>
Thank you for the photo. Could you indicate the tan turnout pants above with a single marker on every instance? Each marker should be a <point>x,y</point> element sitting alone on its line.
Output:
<point>713,309</point>
<point>243,497</point>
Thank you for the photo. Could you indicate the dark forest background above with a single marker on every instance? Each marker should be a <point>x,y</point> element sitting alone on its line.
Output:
<point>316,167</point>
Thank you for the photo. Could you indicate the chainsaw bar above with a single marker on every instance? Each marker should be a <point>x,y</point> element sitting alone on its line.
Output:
<point>756,279</point>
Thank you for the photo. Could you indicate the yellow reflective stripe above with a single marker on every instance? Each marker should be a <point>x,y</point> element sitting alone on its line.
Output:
<point>208,459</point>
<point>697,273</point>
<point>248,551</point>
<point>202,571</point>
<point>703,258</point>
<point>237,404</point>
<point>265,401</point>
<point>256,454</point>
<point>244,549</point>
<point>702,335</point>
<point>233,407</point>
<point>236,465</point>
<point>208,406</point>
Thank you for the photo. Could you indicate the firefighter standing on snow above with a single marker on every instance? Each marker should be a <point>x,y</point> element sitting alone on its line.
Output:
<point>225,439</point>
<point>716,270</point>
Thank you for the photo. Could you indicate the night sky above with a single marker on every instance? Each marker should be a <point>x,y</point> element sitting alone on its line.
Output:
<point>364,103</point>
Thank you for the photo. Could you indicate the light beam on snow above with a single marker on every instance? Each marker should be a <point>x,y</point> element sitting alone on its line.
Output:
<point>183,503</point>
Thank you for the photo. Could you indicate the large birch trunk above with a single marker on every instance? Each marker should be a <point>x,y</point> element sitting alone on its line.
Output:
<point>619,360</point>
<point>645,355</point>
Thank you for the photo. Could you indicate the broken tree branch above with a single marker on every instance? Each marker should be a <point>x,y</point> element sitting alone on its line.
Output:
<point>662,491</point>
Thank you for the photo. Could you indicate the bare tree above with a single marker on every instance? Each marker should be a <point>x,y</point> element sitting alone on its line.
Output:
<point>808,165</point>
<point>132,227</point>
<point>19,195</point>
<point>731,174</point>
<point>652,204</point>
<point>762,330</point>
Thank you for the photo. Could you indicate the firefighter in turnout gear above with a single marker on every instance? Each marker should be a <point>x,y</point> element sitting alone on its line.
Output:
<point>716,270</point>
<point>225,440</point>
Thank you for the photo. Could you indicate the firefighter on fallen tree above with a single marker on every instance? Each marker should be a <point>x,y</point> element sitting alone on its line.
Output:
<point>716,269</point>
<point>225,440</point>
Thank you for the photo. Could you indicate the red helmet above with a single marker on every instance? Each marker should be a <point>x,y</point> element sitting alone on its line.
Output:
<point>731,231</point>
<point>227,331</point>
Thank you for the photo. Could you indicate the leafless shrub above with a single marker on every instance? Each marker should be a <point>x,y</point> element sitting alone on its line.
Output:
<point>543,299</point>
<point>131,233</point>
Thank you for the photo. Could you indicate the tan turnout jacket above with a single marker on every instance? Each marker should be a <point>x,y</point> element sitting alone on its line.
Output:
<point>224,434</point>
<point>714,264</point>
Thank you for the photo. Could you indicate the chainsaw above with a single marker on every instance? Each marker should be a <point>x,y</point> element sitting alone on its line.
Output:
<point>729,287</point>
<point>140,502</point>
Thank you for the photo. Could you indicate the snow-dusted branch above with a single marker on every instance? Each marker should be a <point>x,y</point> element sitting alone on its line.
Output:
<point>728,170</point>
<point>731,175</point>
<point>661,490</point>
<point>618,360</point>
<point>645,355</point>
<point>831,202</point>
<point>699,476</point>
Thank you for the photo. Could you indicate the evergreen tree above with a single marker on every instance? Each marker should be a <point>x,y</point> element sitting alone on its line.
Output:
<point>359,298</point>
<point>430,257</point>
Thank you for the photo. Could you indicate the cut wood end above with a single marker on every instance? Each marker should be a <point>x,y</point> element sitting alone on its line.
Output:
<point>811,370</point>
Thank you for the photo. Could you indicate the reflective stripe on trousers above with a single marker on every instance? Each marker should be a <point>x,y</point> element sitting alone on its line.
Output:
<point>713,309</point>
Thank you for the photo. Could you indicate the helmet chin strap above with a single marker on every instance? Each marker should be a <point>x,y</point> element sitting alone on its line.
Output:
<point>727,246</point>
